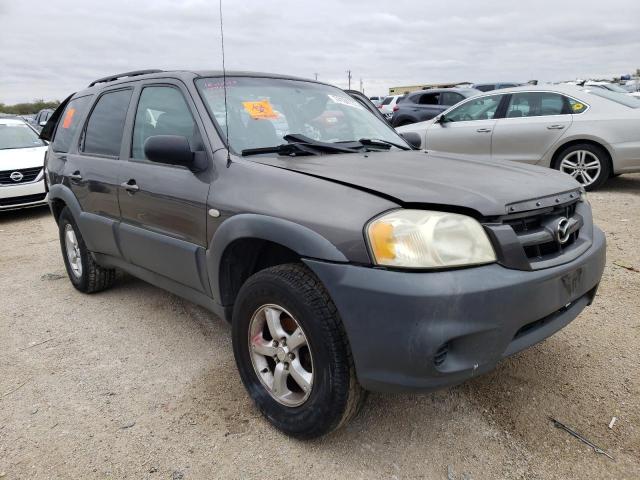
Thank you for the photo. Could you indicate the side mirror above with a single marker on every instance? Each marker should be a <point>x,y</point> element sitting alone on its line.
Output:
<point>169,149</point>
<point>441,119</point>
<point>413,139</point>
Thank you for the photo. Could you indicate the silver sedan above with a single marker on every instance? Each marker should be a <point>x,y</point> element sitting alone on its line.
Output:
<point>587,132</point>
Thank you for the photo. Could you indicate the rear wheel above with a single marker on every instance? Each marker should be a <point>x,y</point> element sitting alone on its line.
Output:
<point>587,163</point>
<point>85,274</point>
<point>292,353</point>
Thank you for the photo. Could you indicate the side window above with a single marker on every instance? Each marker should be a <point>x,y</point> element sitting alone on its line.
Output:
<point>103,133</point>
<point>429,99</point>
<point>69,123</point>
<point>483,108</point>
<point>536,104</point>
<point>450,98</point>
<point>576,106</point>
<point>163,110</point>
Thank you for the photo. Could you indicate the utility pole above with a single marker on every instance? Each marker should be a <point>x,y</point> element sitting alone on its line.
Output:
<point>361,87</point>
<point>316,76</point>
<point>349,77</point>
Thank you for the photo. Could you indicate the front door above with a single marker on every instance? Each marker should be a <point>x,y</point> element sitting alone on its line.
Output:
<point>163,207</point>
<point>466,129</point>
<point>533,123</point>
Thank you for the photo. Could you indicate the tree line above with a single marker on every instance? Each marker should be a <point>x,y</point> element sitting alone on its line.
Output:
<point>28,108</point>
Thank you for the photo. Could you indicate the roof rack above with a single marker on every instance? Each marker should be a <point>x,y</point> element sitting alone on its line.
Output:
<point>111,78</point>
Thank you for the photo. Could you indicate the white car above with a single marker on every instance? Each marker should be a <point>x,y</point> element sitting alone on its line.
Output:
<point>588,132</point>
<point>21,165</point>
<point>388,104</point>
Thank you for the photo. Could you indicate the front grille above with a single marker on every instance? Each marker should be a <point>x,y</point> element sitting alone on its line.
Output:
<point>6,202</point>
<point>537,231</point>
<point>28,175</point>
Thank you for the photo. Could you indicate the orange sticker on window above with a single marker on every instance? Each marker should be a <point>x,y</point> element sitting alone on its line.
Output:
<point>68,118</point>
<point>261,109</point>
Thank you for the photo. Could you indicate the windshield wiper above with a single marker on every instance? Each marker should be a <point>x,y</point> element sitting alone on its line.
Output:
<point>284,149</point>
<point>301,145</point>
<point>377,142</point>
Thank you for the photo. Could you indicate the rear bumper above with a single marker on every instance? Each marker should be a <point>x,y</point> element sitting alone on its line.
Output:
<point>423,331</point>
<point>22,195</point>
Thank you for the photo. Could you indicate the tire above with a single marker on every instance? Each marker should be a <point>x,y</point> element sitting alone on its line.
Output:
<point>90,277</point>
<point>576,159</point>
<point>335,396</point>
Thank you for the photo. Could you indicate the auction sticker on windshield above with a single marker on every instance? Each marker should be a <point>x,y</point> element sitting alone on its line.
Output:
<point>260,109</point>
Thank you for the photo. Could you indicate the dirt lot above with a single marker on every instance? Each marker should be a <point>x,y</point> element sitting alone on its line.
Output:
<point>137,383</point>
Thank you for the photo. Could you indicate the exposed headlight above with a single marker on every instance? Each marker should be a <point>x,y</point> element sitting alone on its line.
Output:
<point>427,239</point>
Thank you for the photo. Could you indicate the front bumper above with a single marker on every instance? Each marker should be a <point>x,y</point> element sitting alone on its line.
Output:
<point>22,195</point>
<point>423,331</point>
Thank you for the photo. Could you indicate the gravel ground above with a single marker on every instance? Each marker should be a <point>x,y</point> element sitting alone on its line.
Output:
<point>137,383</point>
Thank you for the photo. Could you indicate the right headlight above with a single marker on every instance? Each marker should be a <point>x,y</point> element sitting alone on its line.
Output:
<point>428,239</point>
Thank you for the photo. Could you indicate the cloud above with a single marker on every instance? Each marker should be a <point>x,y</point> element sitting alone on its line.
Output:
<point>50,49</point>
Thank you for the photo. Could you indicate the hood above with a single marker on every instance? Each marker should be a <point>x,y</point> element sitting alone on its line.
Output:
<point>415,177</point>
<point>17,158</point>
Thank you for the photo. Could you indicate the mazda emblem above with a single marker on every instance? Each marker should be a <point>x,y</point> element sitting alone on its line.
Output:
<point>16,176</point>
<point>562,231</point>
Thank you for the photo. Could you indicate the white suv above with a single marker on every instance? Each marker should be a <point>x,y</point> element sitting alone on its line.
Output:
<point>21,165</point>
<point>388,104</point>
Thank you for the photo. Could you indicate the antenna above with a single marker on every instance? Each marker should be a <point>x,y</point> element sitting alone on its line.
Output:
<point>224,87</point>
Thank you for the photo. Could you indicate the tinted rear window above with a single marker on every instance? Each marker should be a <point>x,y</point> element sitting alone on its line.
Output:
<point>69,123</point>
<point>387,101</point>
<point>103,134</point>
<point>620,98</point>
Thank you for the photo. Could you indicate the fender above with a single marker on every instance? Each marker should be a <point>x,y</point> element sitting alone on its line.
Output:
<point>302,240</point>
<point>97,232</point>
<point>59,191</point>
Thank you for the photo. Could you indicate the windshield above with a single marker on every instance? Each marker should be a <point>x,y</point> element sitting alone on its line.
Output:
<point>262,111</point>
<point>621,98</point>
<point>18,135</point>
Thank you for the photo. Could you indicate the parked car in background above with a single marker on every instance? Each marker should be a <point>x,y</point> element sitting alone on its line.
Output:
<point>487,87</point>
<point>590,133</point>
<point>313,237</point>
<point>426,104</point>
<point>388,104</point>
<point>41,118</point>
<point>21,165</point>
<point>376,100</point>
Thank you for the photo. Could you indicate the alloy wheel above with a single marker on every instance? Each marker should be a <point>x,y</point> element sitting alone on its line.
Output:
<point>582,165</point>
<point>72,248</point>
<point>280,355</point>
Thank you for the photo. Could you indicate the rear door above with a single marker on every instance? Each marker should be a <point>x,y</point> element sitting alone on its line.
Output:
<point>92,171</point>
<point>467,128</point>
<point>533,123</point>
<point>163,207</point>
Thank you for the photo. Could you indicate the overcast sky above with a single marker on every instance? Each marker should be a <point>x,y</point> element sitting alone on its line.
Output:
<point>49,49</point>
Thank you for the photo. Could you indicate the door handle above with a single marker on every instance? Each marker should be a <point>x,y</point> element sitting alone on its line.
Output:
<point>76,176</point>
<point>555,127</point>
<point>483,130</point>
<point>130,186</point>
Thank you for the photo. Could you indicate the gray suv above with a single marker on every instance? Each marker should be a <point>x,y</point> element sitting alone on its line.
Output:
<point>344,260</point>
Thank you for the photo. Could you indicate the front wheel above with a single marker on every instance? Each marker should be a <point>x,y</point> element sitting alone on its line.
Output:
<point>587,163</point>
<point>292,353</point>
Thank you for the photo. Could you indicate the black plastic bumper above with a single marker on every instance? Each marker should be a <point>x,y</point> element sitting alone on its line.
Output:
<point>423,331</point>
